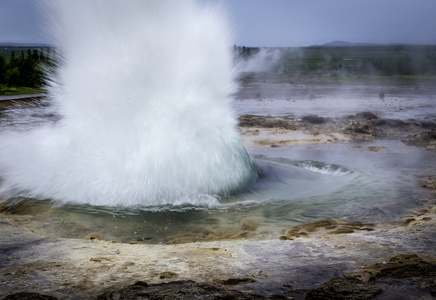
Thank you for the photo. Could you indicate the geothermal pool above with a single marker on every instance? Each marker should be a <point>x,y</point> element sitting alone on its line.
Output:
<point>300,184</point>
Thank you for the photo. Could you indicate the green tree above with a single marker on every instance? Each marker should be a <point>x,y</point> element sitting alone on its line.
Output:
<point>3,69</point>
<point>13,76</point>
<point>12,60</point>
<point>404,65</point>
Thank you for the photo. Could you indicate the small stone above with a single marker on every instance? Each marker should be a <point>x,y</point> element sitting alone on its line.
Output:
<point>167,275</point>
<point>141,283</point>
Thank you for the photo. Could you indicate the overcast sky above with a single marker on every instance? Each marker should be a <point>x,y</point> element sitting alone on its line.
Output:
<point>283,23</point>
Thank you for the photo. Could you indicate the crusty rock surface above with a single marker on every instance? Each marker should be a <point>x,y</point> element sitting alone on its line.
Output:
<point>363,126</point>
<point>425,140</point>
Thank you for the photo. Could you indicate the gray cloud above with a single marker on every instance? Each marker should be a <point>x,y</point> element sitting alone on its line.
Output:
<point>282,22</point>
<point>19,21</point>
<point>303,23</point>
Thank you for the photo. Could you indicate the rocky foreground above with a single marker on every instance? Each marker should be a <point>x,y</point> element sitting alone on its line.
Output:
<point>328,259</point>
<point>325,260</point>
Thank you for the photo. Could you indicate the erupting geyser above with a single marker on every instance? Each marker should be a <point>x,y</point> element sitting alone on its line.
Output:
<point>143,90</point>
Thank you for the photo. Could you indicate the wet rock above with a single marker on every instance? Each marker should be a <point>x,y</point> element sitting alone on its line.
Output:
<point>344,288</point>
<point>363,126</point>
<point>395,123</point>
<point>329,226</point>
<point>3,206</point>
<point>358,127</point>
<point>366,115</point>
<point>375,149</point>
<point>428,125</point>
<point>251,120</point>
<point>265,122</point>
<point>430,183</point>
<point>425,140</point>
<point>29,296</point>
<point>313,119</point>
<point>236,281</point>
<point>93,236</point>
<point>409,221</point>
<point>141,283</point>
<point>367,126</point>
<point>167,275</point>
<point>210,233</point>
<point>177,290</point>
<point>100,259</point>
<point>402,273</point>
<point>364,130</point>
<point>407,265</point>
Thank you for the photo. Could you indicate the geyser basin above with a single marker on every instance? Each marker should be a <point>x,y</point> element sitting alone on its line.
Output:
<point>287,193</point>
<point>142,89</point>
<point>374,188</point>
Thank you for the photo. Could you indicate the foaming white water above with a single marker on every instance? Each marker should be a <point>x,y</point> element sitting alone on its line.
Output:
<point>322,168</point>
<point>143,89</point>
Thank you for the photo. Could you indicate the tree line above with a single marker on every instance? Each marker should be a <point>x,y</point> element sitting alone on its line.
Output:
<point>366,60</point>
<point>25,69</point>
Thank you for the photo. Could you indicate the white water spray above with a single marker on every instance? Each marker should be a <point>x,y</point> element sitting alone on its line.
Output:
<point>143,89</point>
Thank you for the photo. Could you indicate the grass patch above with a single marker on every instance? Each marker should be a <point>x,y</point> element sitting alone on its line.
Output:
<point>7,91</point>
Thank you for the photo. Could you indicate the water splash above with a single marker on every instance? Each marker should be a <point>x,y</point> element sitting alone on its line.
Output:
<point>143,90</point>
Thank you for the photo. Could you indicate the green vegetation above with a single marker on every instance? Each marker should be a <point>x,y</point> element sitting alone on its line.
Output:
<point>400,60</point>
<point>6,91</point>
<point>22,70</point>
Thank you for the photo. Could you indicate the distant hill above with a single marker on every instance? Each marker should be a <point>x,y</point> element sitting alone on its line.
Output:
<point>337,44</point>
<point>348,44</point>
